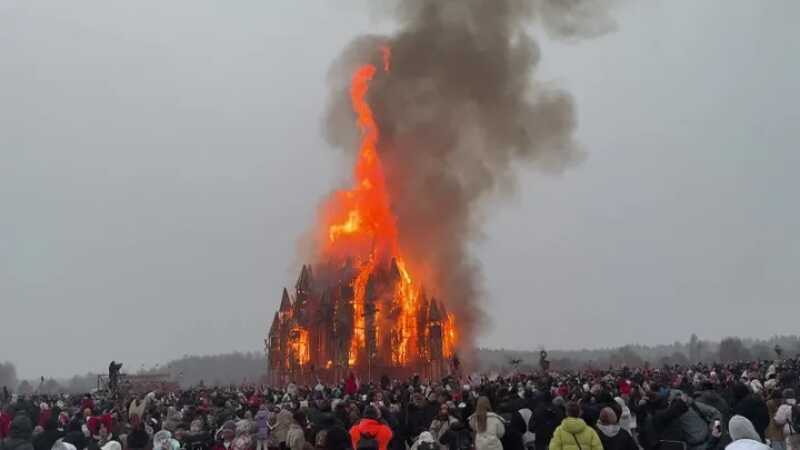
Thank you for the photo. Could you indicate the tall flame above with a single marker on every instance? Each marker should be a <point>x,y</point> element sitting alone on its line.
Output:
<point>360,227</point>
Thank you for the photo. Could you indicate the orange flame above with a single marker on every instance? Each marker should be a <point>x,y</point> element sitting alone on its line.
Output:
<point>359,224</point>
<point>300,346</point>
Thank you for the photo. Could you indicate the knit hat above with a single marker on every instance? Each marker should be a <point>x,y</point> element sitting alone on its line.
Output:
<point>111,445</point>
<point>741,428</point>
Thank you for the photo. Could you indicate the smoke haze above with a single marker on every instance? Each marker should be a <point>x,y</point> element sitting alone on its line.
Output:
<point>459,109</point>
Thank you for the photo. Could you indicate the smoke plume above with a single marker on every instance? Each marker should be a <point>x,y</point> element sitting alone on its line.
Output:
<point>458,111</point>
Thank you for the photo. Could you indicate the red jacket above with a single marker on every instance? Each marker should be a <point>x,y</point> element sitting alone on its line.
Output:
<point>5,425</point>
<point>624,388</point>
<point>382,433</point>
<point>93,423</point>
<point>44,417</point>
<point>350,385</point>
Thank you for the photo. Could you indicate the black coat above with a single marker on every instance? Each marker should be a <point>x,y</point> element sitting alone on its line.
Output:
<point>620,441</point>
<point>138,438</point>
<point>418,419</point>
<point>337,438</point>
<point>755,410</point>
<point>546,418</point>
<point>46,439</point>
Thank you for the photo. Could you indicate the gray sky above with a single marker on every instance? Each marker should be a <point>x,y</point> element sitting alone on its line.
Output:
<point>159,160</point>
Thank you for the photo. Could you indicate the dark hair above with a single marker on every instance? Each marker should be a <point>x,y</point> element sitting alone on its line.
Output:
<point>371,412</point>
<point>573,409</point>
<point>299,417</point>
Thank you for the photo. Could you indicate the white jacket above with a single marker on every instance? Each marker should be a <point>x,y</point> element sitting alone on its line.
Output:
<point>495,430</point>
<point>746,444</point>
<point>784,417</point>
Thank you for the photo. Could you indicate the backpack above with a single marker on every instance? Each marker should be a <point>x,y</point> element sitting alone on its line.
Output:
<point>528,437</point>
<point>321,439</point>
<point>464,440</point>
<point>794,424</point>
<point>367,442</point>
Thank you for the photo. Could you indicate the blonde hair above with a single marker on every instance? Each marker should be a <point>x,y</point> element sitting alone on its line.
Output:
<point>482,409</point>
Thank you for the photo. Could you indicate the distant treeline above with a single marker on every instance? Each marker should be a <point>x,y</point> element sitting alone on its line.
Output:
<point>692,351</point>
<point>236,368</point>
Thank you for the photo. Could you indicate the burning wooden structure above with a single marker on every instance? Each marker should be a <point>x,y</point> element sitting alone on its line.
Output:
<point>317,332</point>
<point>360,309</point>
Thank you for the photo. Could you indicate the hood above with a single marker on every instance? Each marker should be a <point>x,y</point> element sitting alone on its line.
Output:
<point>21,427</point>
<point>608,430</point>
<point>741,428</point>
<point>369,426</point>
<point>573,425</point>
<point>746,444</point>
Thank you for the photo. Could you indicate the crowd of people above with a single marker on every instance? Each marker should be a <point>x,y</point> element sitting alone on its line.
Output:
<point>743,406</point>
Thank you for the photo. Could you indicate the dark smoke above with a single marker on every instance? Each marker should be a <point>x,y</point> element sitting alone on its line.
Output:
<point>459,110</point>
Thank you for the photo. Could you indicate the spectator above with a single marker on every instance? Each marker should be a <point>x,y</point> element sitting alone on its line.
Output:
<point>751,406</point>
<point>19,436</point>
<point>262,427</point>
<point>295,437</point>
<point>573,433</point>
<point>743,435</point>
<point>489,427</point>
<point>784,417</point>
<point>611,433</point>
<point>370,432</point>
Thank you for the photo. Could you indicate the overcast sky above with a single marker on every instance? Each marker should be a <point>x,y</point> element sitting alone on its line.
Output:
<point>159,160</point>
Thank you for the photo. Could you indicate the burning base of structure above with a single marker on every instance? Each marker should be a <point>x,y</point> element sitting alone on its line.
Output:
<point>324,331</point>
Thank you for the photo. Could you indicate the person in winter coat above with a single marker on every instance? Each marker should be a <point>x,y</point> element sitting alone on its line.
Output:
<point>418,417</point>
<point>489,427</point>
<point>138,438</point>
<point>774,431</point>
<point>457,437</point>
<point>19,435</point>
<point>611,433</point>
<point>262,427</point>
<point>163,440</point>
<point>331,434</point>
<point>574,434</point>
<point>753,407</point>
<point>784,419</point>
<point>225,437</point>
<point>678,418</point>
<point>547,416</point>
<point>744,435</point>
<point>242,441</point>
<point>47,438</point>
<point>442,423</point>
<point>295,437</point>
<point>370,425</point>
<point>282,423</point>
<point>5,423</point>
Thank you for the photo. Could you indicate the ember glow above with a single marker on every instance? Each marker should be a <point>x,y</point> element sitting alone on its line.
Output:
<point>392,324</point>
